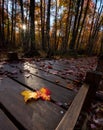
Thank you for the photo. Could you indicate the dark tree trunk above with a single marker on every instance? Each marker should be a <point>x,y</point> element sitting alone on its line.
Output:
<point>67,29</point>
<point>12,23</point>
<point>82,24</point>
<point>32,24</point>
<point>8,25</point>
<point>92,24</point>
<point>55,32</point>
<point>42,10</point>
<point>49,51</point>
<point>22,11</point>
<point>74,33</point>
<point>101,47</point>
<point>95,31</point>
<point>2,27</point>
<point>48,26</point>
<point>78,24</point>
<point>22,31</point>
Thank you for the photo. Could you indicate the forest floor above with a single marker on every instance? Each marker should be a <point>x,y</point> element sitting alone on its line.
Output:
<point>77,68</point>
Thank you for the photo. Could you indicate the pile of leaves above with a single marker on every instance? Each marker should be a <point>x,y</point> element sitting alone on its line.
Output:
<point>92,119</point>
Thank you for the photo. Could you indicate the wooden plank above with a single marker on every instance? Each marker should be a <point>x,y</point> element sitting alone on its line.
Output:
<point>36,83</point>
<point>59,69</point>
<point>45,75</point>
<point>69,120</point>
<point>50,77</point>
<point>56,65</point>
<point>54,74</point>
<point>37,115</point>
<point>5,123</point>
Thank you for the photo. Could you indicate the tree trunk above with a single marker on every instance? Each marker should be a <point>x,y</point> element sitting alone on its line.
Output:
<point>0,26</point>
<point>8,25</point>
<point>78,24</point>
<point>12,23</point>
<point>74,33</point>
<point>49,53</point>
<point>32,25</point>
<point>101,47</point>
<point>95,31</point>
<point>83,21</point>
<point>22,31</point>
<point>42,9</point>
<point>2,30</point>
<point>67,29</point>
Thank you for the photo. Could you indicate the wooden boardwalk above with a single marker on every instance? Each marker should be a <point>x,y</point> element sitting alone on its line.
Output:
<point>61,112</point>
<point>35,115</point>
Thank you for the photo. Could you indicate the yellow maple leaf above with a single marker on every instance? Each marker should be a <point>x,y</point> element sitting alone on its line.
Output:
<point>30,95</point>
<point>43,93</point>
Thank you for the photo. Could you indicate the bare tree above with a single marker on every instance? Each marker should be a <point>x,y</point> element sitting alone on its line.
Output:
<point>74,33</point>
<point>42,10</point>
<point>32,25</point>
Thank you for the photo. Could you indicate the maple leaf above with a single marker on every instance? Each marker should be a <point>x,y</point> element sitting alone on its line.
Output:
<point>50,67</point>
<point>57,81</point>
<point>45,97</point>
<point>43,93</point>
<point>30,95</point>
<point>70,86</point>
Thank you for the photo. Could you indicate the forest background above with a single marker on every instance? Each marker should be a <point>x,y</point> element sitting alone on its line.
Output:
<point>52,26</point>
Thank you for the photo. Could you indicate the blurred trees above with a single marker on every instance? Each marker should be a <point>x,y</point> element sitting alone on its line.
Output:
<point>52,26</point>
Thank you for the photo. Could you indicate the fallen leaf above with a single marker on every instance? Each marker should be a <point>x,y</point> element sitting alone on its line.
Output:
<point>57,81</point>
<point>98,121</point>
<point>43,93</point>
<point>93,126</point>
<point>30,95</point>
<point>50,67</point>
<point>70,86</point>
<point>45,97</point>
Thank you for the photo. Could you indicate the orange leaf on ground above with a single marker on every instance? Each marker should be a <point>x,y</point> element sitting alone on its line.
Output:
<point>70,86</point>
<point>28,95</point>
<point>43,93</point>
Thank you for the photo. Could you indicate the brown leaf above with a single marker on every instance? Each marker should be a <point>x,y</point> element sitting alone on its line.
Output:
<point>70,86</point>
<point>57,81</point>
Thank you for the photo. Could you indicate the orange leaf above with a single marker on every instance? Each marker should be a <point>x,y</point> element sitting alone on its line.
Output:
<point>29,95</point>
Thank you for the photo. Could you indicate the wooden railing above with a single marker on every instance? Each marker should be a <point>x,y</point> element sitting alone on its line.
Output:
<point>81,101</point>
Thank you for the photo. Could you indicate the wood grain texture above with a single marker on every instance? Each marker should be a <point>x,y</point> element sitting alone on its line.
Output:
<point>36,115</point>
<point>5,123</point>
<point>58,93</point>
<point>69,120</point>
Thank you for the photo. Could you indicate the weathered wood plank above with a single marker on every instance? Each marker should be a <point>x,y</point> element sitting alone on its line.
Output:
<point>54,68</point>
<point>50,77</point>
<point>54,73</point>
<point>5,123</point>
<point>45,75</point>
<point>37,115</point>
<point>69,120</point>
<point>35,82</point>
